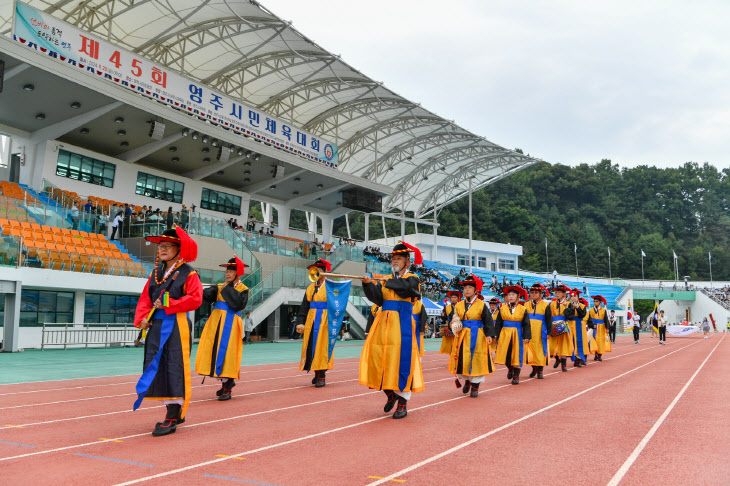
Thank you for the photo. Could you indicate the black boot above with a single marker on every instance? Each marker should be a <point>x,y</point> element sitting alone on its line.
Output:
<point>599,357</point>
<point>320,380</point>
<point>314,379</point>
<point>467,386</point>
<point>539,373</point>
<point>169,425</point>
<point>516,375</point>
<point>563,364</point>
<point>227,387</point>
<point>391,401</point>
<point>474,390</point>
<point>557,362</point>
<point>509,372</point>
<point>577,363</point>
<point>401,411</point>
<point>596,356</point>
<point>534,372</point>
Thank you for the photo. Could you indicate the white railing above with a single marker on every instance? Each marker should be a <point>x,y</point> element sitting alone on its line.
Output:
<point>85,335</point>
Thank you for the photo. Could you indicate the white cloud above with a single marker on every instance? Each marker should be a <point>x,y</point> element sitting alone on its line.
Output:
<point>568,81</point>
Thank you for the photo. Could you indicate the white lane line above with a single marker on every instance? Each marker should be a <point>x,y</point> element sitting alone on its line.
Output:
<point>263,412</point>
<point>289,368</point>
<point>215,383</point>
<point>639,448</point>
<point>338,429</point>
<point>515,422</point>
<point>193,401</point>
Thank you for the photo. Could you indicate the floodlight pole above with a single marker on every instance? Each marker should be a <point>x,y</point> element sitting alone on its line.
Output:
<point>470,228</point>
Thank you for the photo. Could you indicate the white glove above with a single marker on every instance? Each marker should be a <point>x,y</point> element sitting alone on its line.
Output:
<point>456,325</point>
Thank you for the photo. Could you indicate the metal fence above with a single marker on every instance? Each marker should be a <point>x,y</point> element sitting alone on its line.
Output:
<point>85,335</point>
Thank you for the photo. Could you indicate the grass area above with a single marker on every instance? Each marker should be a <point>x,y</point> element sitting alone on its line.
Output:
<point>57,364</point>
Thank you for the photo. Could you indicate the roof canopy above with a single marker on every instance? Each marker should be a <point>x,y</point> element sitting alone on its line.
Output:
<point>242,49</point>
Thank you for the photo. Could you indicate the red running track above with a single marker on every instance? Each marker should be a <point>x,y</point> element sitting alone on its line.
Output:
<point>584,425</point>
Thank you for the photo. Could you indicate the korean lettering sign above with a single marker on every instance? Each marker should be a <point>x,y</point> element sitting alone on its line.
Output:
<point>71,45</point>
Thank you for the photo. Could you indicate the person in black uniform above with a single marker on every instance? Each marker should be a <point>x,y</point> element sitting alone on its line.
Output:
<point>612,327</point>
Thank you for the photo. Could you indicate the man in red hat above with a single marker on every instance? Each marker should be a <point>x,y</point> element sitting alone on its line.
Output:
<point>312,322</point>
<point>513,332</point>
<point>560,341</point>
<point>537,353</point>
<point>574,315</point>
<point>471,360</point>
<point>173,290</point>
<point>389,359</point>
<point>221,343</point>
<point>598,321</point>
<point>447,337</point>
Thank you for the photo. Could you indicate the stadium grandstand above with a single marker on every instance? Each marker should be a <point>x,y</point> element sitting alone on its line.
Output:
<point>113,128</point>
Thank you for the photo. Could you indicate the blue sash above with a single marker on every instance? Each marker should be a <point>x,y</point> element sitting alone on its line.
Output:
<point>474,325</point>
<point>516,325</point>
<point>405,314</point>
<point>168,323</point>
<point>541,318</point>
<point>319,307</point>
<point>225,336</point>
<point>417,318</point>
<point>579,338</point>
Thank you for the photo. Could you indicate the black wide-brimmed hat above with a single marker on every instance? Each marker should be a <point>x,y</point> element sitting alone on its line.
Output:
<point>236,264</point>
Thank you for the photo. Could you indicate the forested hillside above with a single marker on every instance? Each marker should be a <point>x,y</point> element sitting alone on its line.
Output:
<point>684,210</point>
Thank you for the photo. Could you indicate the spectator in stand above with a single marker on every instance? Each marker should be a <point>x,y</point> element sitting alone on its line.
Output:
<point>127,211</point>
<point>555,274</point>
<point>117,226</point>
<point>88,206</point>
<point>170,218</point>
<point>251,224</point>
<point>292,326</point>
<point>247,328</point>
<point>184,218</point>
<point>585,288</point>
<point>661,285</point>
<point>143,211</point>
<point>74,216</point>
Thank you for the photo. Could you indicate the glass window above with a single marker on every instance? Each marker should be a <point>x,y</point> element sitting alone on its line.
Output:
<point>86,169</point>
<point>110,308</point>
<point>159,188</point>
<point>506,264</point>
<point>482,262</point>
<point>221,202</point>
<point>65,302</point>
<point>463,260</point>
<point>40,306</point>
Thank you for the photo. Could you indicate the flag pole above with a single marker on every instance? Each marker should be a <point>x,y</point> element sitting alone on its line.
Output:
<point>547,261</point>
<point>609,263</point>
<point>710,258</point>
<point>575,249</point>
<point>642,268</point>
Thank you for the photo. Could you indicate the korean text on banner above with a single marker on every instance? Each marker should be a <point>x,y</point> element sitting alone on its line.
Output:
<point>68,44</point>
<point>337,295</point>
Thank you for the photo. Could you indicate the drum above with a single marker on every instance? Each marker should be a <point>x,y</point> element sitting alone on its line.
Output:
<point>558,329</point>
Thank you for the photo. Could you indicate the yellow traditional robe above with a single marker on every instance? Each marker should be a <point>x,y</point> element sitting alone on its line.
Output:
<point>599,342</point>
<point>579,336</point>
<point>535,352</point>
<point>417,308</point>
<point>447,338</point>
<point>509,345</point>
<point>210,345</point>
<point>320,360</point>
<point>560,345</point>
<point>384,362</point>
<point>470,354</point>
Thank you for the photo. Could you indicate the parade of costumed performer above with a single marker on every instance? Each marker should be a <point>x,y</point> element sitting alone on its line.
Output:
<point>560,341</point>
<point>447,337</point>
<point>221,343</point>
<point>575,313</point>
<point>389,359</point>
<point>598,322</point>
<point>513,332</point>
<point>421,318</point>
<point>173,290</point>
<point>312,322</point>
<point>471,359</point>
<point>537,353</point>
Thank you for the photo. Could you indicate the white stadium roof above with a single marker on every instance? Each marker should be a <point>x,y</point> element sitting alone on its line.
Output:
<point>242,49</point>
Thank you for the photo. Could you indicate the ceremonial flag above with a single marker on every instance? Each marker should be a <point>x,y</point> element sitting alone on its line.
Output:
<point>337,295</point>
<point>710,255</point>
<point>675,255</point>
<point>609,251</point>
<point>643,254</point>
<point>576,247</point>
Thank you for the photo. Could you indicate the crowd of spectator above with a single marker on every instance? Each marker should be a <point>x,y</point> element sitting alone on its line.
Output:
<point>721,296</point>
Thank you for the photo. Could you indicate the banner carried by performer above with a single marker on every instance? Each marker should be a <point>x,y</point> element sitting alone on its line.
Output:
<point>338,294</point>
<point>681,331</point>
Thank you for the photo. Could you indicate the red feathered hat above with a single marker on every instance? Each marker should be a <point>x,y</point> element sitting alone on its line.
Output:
<point>600,298</point>
<point>236,264</point>
<point>495,300</point>
<point>323,264</point>
<point>583,301</point>
<point>188,247</point>
<point>404,247</point>
<point>541,288</point>
<point>480,296</point>
<point>515,288</point>
<point>472,280</point>
<point>454,292</point>
<point>575,292</point>
<point>562,288</point>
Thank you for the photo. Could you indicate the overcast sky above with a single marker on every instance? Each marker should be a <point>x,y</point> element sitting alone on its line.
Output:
<point>639,82</point>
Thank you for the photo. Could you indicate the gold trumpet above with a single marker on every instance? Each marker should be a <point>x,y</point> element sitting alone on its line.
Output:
<point>315,274</point>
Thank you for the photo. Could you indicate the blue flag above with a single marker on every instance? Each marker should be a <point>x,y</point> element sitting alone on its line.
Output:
<point>337,295</point>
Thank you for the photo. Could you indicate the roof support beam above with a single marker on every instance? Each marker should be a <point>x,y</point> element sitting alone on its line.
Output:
<point>57,129</point>
<point>203,172</point>
<point>134,155</point>
<point>297,201</point>
<point>259,186</point>
<point>16,70</point>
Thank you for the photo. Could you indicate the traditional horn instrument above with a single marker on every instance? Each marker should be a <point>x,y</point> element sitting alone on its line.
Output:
<point>315,274</point>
